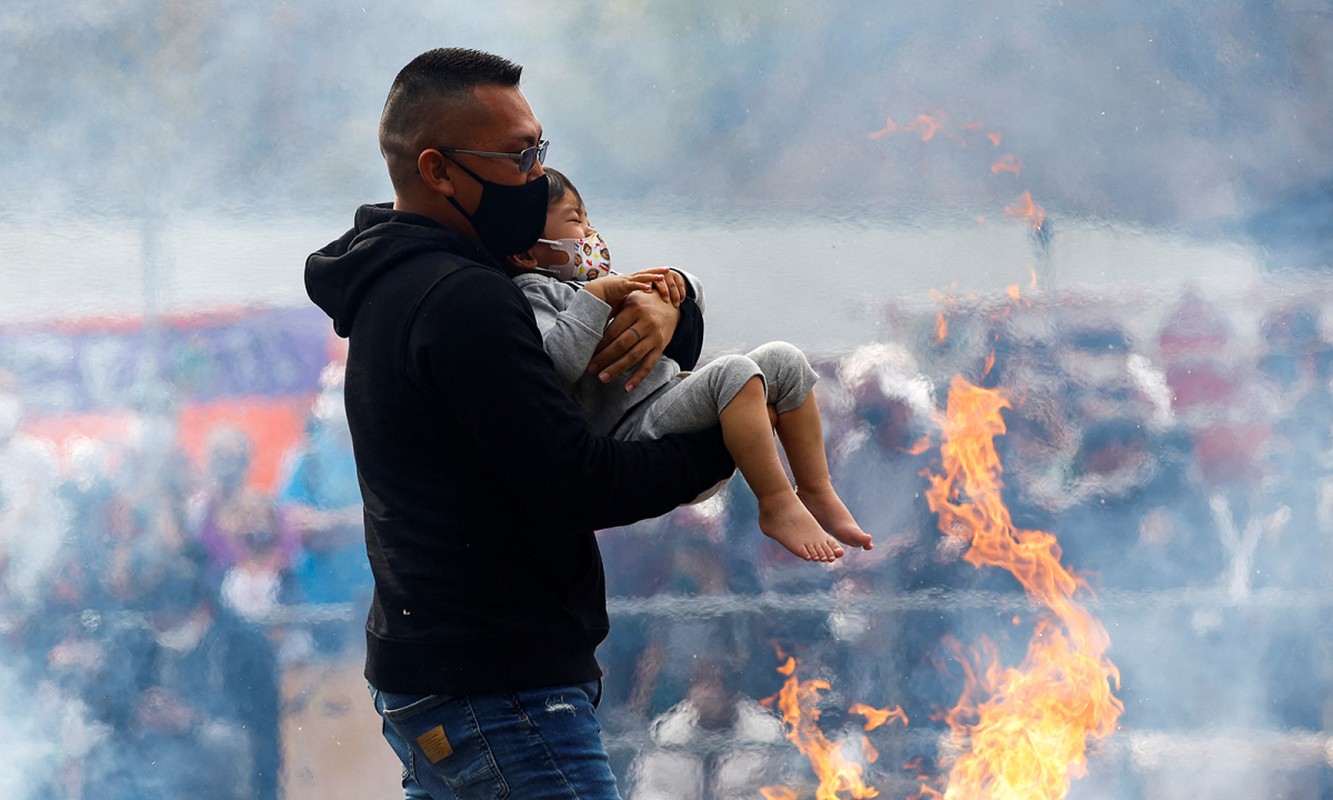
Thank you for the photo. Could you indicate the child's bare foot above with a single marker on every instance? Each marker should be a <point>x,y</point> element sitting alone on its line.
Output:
<point>786,521</point>
<point>828,510</point>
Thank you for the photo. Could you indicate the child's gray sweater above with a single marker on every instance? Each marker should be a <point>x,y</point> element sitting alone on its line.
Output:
<point>571,322</point>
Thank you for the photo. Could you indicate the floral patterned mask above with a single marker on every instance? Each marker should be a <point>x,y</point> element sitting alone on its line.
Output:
<point>589,258</point>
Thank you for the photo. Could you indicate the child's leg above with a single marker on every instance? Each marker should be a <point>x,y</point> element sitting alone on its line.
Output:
<point>782,515</point>
<point>802,436</point>
<point>801,431</point>
<point>731,389</point>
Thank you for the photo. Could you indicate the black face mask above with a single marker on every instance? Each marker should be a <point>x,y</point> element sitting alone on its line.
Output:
<point>509,219</point>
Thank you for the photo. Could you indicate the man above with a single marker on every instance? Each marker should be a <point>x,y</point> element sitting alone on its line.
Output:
<point>481,484</point>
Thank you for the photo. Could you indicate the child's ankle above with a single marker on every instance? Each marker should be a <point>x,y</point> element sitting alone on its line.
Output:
<point>818,487</point>
<point>776,498</point>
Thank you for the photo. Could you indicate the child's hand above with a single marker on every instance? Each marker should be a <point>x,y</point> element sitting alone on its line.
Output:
<point>668,283</point>
<point>613,289</point>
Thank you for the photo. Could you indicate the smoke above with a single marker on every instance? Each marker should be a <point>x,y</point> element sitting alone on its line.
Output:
<point>822,166</point>
<point>29,738</point>
<point>1171,114</point>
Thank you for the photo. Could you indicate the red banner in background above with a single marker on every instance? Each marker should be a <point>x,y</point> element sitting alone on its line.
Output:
<point>253,369</point>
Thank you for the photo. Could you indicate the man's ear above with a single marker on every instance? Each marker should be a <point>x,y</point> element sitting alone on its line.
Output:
<point>434,170</point>
<point>524,260</point>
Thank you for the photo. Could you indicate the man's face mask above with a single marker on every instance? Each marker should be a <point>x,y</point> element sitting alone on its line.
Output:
<point>508,219</point>
<point>589,258</point>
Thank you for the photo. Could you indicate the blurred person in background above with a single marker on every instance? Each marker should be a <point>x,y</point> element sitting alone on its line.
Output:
<point>1041,434</point>
<point>1295,551</point>
<point>226,507</point>
<point>88,492</point>
<point>1295,365</point>
<point>1105,377</point>
<point>320,501</point>
<point>154,483</point>
<point>881,455</point>
<point>1224,413</point>
<point>84,679</point>
<point>205,717</point>
<point>259,580</point>
<point>32,516</point>
<point>1133,514</point>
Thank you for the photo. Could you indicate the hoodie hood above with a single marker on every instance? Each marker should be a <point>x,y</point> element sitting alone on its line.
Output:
<point>338,276</point>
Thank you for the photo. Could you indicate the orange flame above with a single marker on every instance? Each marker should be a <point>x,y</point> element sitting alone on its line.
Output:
<point>924,125</point>
<point>1024,208</point>
<point>1007,163</point>
<point>1029,738</point>
<point>839,777</point>
<point>876,717</point>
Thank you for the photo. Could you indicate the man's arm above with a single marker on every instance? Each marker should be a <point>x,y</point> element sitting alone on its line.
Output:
<point>526,428</point>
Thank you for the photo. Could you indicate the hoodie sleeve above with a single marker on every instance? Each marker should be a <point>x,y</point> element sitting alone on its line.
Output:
<point>482,353</point>
<point>687,342</point>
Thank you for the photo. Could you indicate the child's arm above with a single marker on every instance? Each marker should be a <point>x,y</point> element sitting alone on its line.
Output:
<point>613,289</point>
<point>570,321</point>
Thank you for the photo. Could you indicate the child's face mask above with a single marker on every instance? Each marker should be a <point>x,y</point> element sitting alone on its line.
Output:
<point>589,258</point>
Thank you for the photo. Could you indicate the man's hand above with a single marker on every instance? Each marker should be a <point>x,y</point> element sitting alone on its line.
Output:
<point>637,334</point>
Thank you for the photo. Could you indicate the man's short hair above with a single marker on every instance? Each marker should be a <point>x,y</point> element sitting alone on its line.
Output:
<point>431,95</point>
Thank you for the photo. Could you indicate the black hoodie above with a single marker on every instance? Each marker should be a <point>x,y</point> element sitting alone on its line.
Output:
<point>482,486</point>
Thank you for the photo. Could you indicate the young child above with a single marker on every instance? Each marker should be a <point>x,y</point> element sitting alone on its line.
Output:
<point>567,279</point>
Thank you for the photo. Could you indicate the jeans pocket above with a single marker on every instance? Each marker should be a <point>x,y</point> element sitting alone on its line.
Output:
<point>445,750</point>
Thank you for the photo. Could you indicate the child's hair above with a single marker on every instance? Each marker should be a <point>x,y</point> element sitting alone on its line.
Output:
<point>556,186</point>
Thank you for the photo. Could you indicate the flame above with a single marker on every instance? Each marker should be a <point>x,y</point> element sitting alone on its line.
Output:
<point>1007,163</point>
<point>1024,730</point>
<point>876,717</point>
<point>995,138</point>
<point>924,125</point>
<point>839,777</point>
<point>1024,208</point>
<point>941,328</point>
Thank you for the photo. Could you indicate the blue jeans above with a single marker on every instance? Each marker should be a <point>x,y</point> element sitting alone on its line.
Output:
<point>536,744</point>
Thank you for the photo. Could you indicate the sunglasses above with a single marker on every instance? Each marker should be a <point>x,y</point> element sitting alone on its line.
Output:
<point>527,158</point>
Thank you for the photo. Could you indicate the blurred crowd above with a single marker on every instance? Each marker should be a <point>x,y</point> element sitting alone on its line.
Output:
<point>150,602</point>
